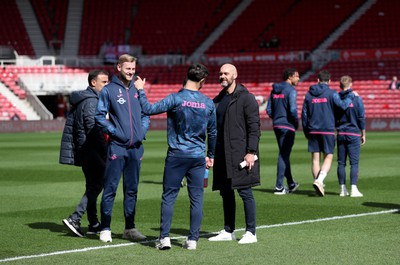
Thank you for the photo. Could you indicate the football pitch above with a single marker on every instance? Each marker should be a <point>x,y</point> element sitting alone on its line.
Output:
<point>36,193</point>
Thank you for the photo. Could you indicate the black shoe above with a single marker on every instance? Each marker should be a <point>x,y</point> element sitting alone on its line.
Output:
<point>293,187</point>
<point>74,226</point>
<point>94,229</point>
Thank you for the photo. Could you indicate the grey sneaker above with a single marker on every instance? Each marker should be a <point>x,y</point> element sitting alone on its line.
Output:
<point>74,226</point>
<point>164,243</point>
<point>190,244</point>
<point>133,234</point>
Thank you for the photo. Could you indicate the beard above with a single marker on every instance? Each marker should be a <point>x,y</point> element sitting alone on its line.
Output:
<point>225,83</point>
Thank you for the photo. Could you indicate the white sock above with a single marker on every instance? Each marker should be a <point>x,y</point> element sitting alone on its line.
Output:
<point>321,176</point>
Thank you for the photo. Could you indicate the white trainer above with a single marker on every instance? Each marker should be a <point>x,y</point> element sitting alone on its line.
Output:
<point>164,243</point>
<point>223,236</point>
<point>190,244</point>
<point>282,191</point>
<point>343,191</point>
<point>319,187</point>
<point>105,236</point>
<point>355,192</point>
<point>133,234</point>
<point>248,238</point>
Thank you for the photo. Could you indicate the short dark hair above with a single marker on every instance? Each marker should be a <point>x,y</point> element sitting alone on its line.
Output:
<point>288,73</point>
<point>94,73</point>
<point>324,76</point>
<point>196,72</point>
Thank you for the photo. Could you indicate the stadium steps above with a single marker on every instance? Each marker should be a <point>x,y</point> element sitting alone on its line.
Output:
<point>32,27</point>
<point>20,104</point>
<point>73,25</point>
<point>220,29</point>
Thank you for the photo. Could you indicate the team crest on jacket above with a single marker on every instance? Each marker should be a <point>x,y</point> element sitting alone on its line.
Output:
<point>121,101</point>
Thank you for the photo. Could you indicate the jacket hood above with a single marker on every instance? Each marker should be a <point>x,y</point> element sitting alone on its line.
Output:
<point>278,87</point>
<point>79,96</point>
<point>317,90</point>
<point>344,93</point>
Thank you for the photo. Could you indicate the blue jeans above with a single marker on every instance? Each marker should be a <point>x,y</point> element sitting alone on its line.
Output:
<point>125,161</point>
<point>285,139</point>
<point>174,171</point>
<point>348,146</point>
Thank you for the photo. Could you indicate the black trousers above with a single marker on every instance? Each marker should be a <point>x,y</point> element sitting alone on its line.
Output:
<point>93,167</point>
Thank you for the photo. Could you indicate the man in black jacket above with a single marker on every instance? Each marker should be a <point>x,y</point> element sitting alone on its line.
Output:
<point>83,144</point>
<point>238,136</point>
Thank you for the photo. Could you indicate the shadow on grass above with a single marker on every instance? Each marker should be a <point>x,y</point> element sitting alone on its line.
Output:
<point>59,228</point>
<point>152,182</point>
<point>383,205</point>
<point>52,227</point>
<point>309,193</point>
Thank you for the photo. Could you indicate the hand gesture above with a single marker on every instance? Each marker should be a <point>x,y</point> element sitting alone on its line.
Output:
<point>139,83</point>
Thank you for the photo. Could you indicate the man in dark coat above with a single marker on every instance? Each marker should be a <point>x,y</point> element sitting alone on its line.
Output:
<point>238,123</point>
<point>83,144</point>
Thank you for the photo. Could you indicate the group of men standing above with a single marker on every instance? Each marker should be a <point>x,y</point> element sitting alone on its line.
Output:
<point>121,121</point>
<point>323,111</point>
<point>107,124</point>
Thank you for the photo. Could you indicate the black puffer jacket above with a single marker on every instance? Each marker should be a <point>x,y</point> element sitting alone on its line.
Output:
<point>241,133</point>
<point>80,132</point>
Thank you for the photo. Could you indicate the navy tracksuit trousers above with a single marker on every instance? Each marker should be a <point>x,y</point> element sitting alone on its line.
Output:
<point>348,146</point>
<point>285,139</point>
<point>128,162</point>
<point>176,168</point>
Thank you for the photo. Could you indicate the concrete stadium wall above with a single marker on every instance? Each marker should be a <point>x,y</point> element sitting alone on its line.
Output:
<point>373,124</point>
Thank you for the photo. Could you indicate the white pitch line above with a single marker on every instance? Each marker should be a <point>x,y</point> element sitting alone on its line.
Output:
<point>181,237</point>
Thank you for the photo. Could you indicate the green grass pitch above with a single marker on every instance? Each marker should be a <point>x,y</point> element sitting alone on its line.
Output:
<point>36,193</point>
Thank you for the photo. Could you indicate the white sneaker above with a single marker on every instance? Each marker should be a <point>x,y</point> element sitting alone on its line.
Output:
<point>190,244</point>
<point>355,192</point>
<point>105,236</point>
<point>223,236</point>
<point>343,191</point>
<point>164,243</point>
<point>248,238</point>
<point>281,191</point>
<point>133,234</point>
<point>319,187</point>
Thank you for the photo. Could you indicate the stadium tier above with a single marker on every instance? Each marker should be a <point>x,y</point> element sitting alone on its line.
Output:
<point>274,35</point>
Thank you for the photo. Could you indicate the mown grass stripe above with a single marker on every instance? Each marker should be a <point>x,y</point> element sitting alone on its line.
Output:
<point>181,237</point>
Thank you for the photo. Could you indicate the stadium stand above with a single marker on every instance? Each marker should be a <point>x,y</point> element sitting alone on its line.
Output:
<point>162,28</point>
<point>245,33</point>
<point>102,21</point>
<point>298,25</point>
<point>51,15</point>
<point>12,30</point>
<point>378,28</point>
<point>172,28</point>
<point>310,22</point>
